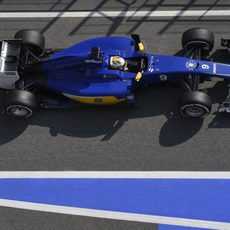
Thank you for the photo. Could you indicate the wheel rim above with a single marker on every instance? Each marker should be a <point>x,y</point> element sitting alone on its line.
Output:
<point>19,111</point>
<point>195,111</point>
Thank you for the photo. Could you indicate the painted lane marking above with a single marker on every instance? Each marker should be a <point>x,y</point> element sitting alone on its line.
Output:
<point>198,199</point>
<point>46,192</point>
<point>86,14</point>
<point>114,215</point>
<point>117,174</point>
<point>176,227</point>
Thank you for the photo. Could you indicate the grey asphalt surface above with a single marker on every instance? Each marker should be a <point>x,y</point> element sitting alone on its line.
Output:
<point>150,137</point>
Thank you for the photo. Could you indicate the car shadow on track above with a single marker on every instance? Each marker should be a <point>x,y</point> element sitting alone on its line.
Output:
<point>89,122</point>
<point>157,100</point>
<point>11,128</point>
<point>220,91</point>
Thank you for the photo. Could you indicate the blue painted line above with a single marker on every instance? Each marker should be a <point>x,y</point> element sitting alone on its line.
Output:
<point>204,199</point>
<point>174,227</point>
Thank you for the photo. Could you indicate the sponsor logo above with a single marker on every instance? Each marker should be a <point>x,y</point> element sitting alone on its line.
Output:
<point>93,61</point>
<point>191,65</point>
<point>151,69</point>
<point>163,77</point>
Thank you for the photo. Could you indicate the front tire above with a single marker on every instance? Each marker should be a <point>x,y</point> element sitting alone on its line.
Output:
<point>195,104</point>
<point>198,38</point>
<point>20,104</point>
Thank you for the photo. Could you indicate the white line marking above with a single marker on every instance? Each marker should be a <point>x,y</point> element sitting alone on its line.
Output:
<point>85,14</point>
<point>116,174</point>
<point>214,68</point>
<point>115,215</point>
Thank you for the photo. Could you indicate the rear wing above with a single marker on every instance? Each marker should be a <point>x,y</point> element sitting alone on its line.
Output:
<point>9,58</point>
<point>9,61</point>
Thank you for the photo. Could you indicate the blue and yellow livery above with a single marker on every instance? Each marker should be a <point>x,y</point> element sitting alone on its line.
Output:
<point>103,71</point>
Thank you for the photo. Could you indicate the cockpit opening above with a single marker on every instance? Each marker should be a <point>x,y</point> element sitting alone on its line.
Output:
<point>133,64</point>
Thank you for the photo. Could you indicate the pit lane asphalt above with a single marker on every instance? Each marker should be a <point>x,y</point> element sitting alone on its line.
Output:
<point>151,137</point>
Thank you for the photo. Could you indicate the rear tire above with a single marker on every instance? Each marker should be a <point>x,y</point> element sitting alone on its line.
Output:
<point>195,104</point>
<point>32,40</point>
<point>198,38</point>
<point>20,104</point>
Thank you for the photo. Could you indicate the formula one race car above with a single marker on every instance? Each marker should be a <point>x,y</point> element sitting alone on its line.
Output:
<point>101,71</point>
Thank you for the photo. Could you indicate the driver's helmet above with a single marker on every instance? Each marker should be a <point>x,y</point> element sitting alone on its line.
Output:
<point>117,62</point>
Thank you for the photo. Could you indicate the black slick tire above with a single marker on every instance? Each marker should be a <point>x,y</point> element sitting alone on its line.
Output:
<point>198,38</point>
<point>195,104</point>
<point>20,104</point>
<point>32,40</point>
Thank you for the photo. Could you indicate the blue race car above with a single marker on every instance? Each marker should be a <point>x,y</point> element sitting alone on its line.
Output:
<point>101,71</point>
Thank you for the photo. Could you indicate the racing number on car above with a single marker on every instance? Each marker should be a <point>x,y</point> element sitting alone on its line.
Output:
<point>204,66</point>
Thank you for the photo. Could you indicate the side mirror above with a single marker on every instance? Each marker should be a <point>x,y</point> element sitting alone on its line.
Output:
<point>138,44</point>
